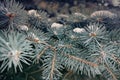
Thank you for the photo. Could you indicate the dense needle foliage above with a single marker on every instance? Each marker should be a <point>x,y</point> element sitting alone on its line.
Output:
<point>35,47</point>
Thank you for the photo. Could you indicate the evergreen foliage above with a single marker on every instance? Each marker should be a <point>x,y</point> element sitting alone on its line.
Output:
<point>32,47</point>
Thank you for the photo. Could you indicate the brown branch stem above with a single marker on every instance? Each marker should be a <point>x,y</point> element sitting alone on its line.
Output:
<point>82,60</point>
<point>53,65</point>
<point>110,71</point>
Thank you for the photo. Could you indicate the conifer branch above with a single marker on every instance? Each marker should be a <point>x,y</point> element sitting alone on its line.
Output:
<point>53,65</point>
<point>35,71</point>
<point>32,78</point>
<point>82,60</point>
<point>110,71</point>
<point>67,46</point>
<point>41,53</point>
<point>116,59</point>
<point>26,76</point>
<point>69,73</point>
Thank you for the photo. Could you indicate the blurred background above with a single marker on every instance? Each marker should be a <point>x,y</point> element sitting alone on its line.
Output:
<point>55,7</point>
<point>68,6</point>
